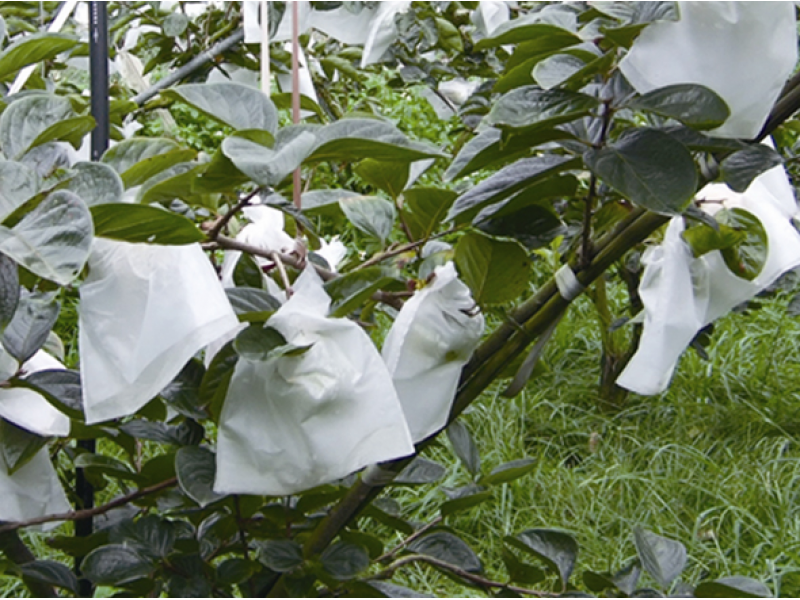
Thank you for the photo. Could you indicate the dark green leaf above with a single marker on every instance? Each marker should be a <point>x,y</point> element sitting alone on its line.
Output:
<point>53,239</point>
<point>18,445</point>
<point>558,550</point>
<point>732,587</point>
<point>465,502</point>
<point>115,564</point>
<point>9,291</point>
<point>71,130</point>
<point>390,590</point>
<point>740,168</point>
<point>214,386</point>
<point>391,177</point>
<point>700,142</point>
<point>247,273</point>
<point>252,304</point>
<point>691,104</point>
<point>449,548</point>
<point>372,544</point>
<point>18,183</point>
<point>262,343</point>
<point>26,119</point>
<point>389,520</point>
<point>420,470</point>
<point>464,446</point>
<point>96,183</point>
<point>234,104</point>
<point>139,223</point>
<point>351,290</point>
<point>371,214</point>
<point>196,468</point>
<point>183,393</point>
<point>531,108</point>
<point>268,166</point>
<point>51,573</point>
<point>662,558</point>
<point>138,159</point>
<point>556,69</point>
<point>30,325</point>
<point>507,182</point>
<point>533,226</point>
<point>280,555</point>
<point>598,582</point>
<point>175,24</point>
<point>176,182</point>
<point>747,258</point>
<point>528,28</point>
<point>97,464</point>
<point>351,139</point>
<point>344,560</point>
<point>424,209</point>
<point>509,471</point>
<point>188,433</point>
<point>704,239</point>
<point>234,571</point>
<point>32,49</point>
<point>519,571</point>
<point>324,203</point>
<point>62,388</point>
<point>189,579</point>
<point>495,270</point>
<point>649,168</point>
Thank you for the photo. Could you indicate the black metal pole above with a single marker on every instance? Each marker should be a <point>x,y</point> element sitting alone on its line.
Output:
<point>98,67</point>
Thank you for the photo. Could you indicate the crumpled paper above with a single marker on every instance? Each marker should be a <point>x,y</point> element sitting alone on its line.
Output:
<point>744,51</point>
<point>682,294</point>
<point>145,311</point>
<point>33,491</point>
<point>426,347</point>
<point>290,423</point>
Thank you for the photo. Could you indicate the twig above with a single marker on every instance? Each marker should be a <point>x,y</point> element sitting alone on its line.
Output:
<point>223,221</point>
<point>586,232</point>
<point>294,262</point>
<point>422,530</point>
<point>287,285</point>
<point>75,515</point>
<point>476,579</point>
<point>402,248</point>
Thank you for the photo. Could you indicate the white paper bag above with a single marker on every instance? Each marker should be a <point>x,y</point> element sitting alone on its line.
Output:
<point>744,51</point>
<point>674,310</point>
<point>428,344</point>
<point>291,423</point>
<point>145,311</point>
<point>33,491</point>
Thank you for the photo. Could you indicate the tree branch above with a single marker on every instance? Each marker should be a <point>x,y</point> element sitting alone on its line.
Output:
<point>223,221</point>
<point>75,515</point>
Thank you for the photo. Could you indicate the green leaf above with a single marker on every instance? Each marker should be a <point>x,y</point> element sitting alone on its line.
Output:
<point>96,183</point>
<point>509,471</point>
<point>449,548</point>
<point>9,291</point>
<point>464,446</point>
<point>252,304</point>
<point>449,36</point>
<point>424,209</point>
<point>507,182</point>
<point>747,258</point>
<point>739,169</point>
<point>324,203</point>
<point>732,587</point>
<point>465,502</point>
<point>390,590</point>
<point>519,571</point>
<point>196,468</point>
<point>27,332</point>
<point>556,69</point>
<point>175,24</point>
<point>704,239</point>
<point>530,108</point>
<point>18,445</point>
<point>115,564</point>
<point>558,550</point>
<point>52,573</point>
<point>18,183</point>
<point>138,159</point>
<point>391,177</point>
<point>139,223</point>
<point>495,270</point>
<point>53,239</point>
<point>235,571</point>
<point>71,130</point>
<point>151,534</point>
<point>694,105</point>
<point>280,555</point>
<point>233,104</point>
<point>662,558</point>
<point>352,139</point>
<point>189,579</point>
<point>33,49</point>
<point>420,470</point>
<point>97,464</point>
<point>349,292</point>
<point>188,433</point>
<point>262,343</point>
<point>528,28</point>
<point>649,168</point>
<point>284,101</point>
<point>60,387</point>
<point>371,214</point>
<point>248,273</point>
<point>26,119</point>
<point>176,182</point>
<point>371,543</point>
<point>267,166</point>
<point>214,386</point>
<point>183,392</point>
<point>344,561</point>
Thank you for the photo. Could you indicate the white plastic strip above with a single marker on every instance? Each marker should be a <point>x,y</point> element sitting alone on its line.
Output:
<point>56,25</point>
<point>568,285</point>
